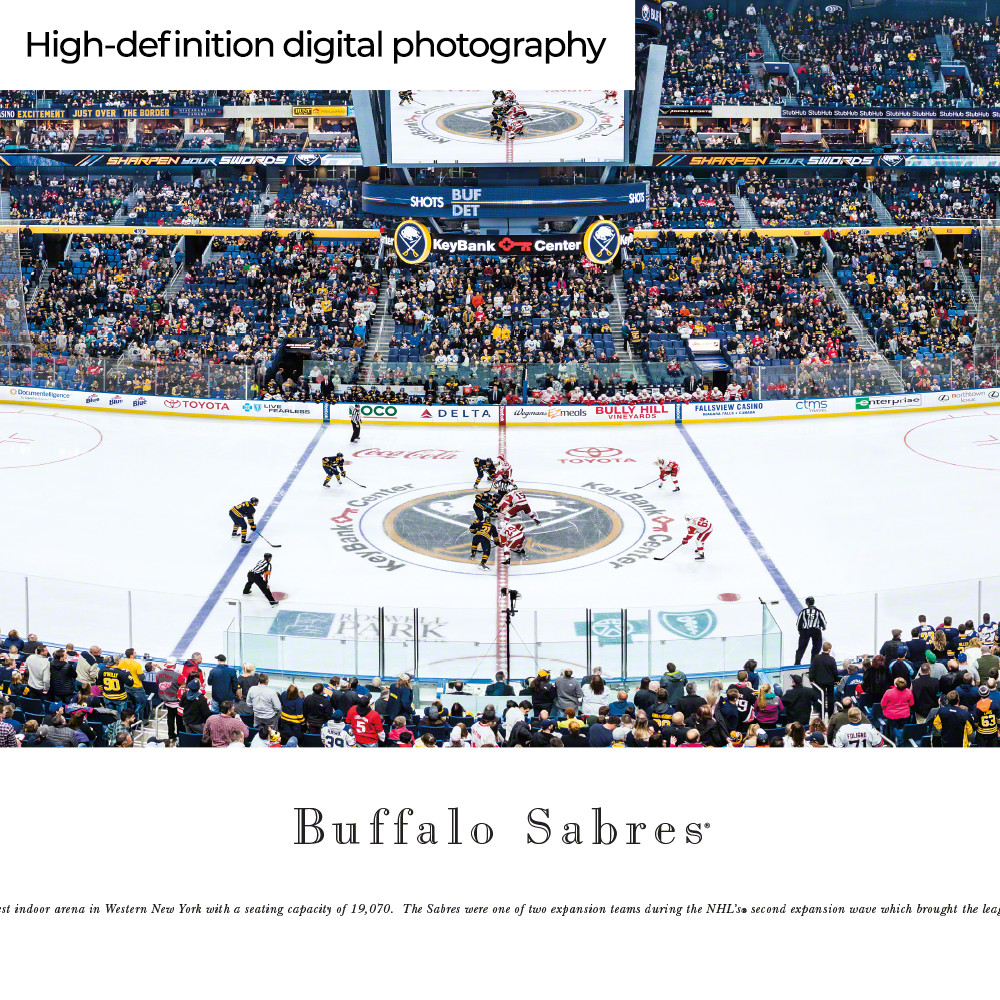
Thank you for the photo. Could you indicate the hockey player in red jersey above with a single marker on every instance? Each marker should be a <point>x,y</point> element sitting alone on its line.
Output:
<point>515,503</point>
<point>511,540</point>
<point>667,469</point>
<point>611,95</point>
<point>503,468</point>
<point>699,528</point>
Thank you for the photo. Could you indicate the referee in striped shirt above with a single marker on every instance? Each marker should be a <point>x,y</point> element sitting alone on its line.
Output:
<point>259,575</point>
<point>810,623</point>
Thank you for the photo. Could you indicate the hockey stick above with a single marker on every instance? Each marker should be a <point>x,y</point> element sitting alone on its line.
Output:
<point>644,485</point>
<point>274,545</point>
<point>356,483</point>
<point>670,553</point>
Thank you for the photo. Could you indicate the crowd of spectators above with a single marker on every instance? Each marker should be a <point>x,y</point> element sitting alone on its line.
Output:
<point>884,61</point>
<point>912,304</point>
<point>165,201</point>
<point>499,311</point>
<point>753,292</point>
<point>936,687</point>
<point>83,99</point>
<point>708,57</point>
<point>105,323</point>
<point>307,203</point>
<point>809,201</point>
<point>73,200</point>
<point>678,199</point>
<point>938,198</point>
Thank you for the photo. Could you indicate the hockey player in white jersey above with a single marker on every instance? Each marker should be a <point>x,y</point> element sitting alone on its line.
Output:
<point>667,470</point>
<point>858,733</point>
<point>515,503</point>
<point>511,540</point>
<point>503,468</point>
<point>699,528</point>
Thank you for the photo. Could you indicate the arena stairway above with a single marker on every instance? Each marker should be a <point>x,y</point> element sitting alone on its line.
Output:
<point>747,219</point>
<point>266,200</point>
<point>383,327</point>
<point>970,286</point>
<point>947,50</point>
<point>860,331</point>
<point>176,282</point>
<point>884,218</point>
<point>4,206</point>
<point>766,44</point>
<point>617,314</point>
<point>43,282</point>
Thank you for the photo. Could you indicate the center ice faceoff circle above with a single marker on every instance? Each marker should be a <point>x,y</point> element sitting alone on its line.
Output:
<point>430,527</point>
<point>473,121</point>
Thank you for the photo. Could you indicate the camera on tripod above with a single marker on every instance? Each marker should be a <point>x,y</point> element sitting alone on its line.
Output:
<point>513,596</point>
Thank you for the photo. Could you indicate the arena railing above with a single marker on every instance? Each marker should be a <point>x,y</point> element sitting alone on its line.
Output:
<point>970,368</point>
<point>22,365</point>
<point>437,644</point>
<point>431,643</point>
<point>479,375</point>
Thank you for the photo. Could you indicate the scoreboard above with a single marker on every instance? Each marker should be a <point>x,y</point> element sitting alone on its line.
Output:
<point>504,202</point>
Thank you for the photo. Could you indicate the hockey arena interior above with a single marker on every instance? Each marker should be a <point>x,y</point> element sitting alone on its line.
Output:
<point>362,451</point>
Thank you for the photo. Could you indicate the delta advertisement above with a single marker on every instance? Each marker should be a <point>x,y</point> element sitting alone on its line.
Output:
<point>514,414</point>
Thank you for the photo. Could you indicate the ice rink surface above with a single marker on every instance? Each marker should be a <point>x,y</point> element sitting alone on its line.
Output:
<point>454,127</point>
<point>120,523</point>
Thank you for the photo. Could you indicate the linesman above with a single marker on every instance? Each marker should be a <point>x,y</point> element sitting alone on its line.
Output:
<point>259,576</point>
<point>810,623</point>
<point>356,423</point>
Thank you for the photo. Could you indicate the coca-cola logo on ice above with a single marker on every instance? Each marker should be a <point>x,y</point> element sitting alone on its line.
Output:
<point>419,453</point>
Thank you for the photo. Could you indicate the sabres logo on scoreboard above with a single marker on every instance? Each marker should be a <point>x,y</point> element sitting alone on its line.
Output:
<point>602,241</point>
<point>412,242</point>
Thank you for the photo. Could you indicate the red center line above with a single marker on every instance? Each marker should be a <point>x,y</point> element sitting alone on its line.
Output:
<point>502,570</point>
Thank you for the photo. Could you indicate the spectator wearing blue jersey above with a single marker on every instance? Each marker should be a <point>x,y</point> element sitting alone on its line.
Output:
<point>621,706</point>
<point>916,648</point>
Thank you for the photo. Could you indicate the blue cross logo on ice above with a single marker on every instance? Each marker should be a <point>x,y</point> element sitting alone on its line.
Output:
<point>607,626</point>
<point>689,624</point>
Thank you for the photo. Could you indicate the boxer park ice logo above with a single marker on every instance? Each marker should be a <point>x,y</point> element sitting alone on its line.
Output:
<point>438,525</point>
<point>473,122</point>
<point>607,626</point>
<point>689,624</point>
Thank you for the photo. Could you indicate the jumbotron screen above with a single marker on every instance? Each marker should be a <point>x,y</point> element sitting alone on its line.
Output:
<point>542,127</point>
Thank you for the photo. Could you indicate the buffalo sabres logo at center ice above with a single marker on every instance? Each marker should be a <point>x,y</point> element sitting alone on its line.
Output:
<point>412,242</point>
